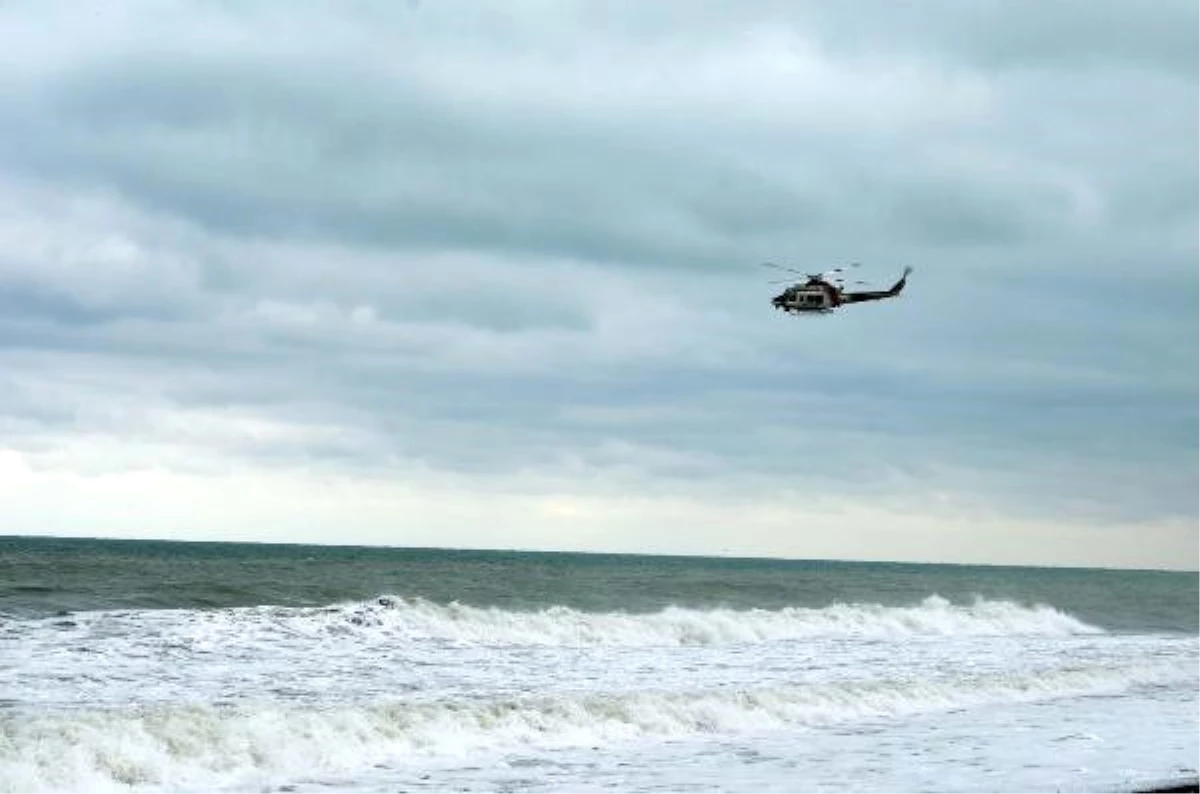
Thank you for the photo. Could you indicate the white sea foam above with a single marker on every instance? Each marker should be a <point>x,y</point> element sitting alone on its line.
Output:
<point>417,619</point>
<point>935,616</point>
<point>204,746</point>
<point>375,694</point>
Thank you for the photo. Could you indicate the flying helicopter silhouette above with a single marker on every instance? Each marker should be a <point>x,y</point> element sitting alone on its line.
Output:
<point>821,293</point>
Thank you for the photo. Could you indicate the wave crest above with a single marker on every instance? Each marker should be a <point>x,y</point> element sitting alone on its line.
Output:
<point>678,626</point>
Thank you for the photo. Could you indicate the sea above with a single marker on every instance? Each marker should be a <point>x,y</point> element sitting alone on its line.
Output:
<point>168,666</point>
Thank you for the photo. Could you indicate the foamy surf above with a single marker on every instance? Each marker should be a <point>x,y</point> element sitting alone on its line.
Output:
<point>565,673</point>
<point>935,616</point>
<point>417,619</point>
<point>204,746</point>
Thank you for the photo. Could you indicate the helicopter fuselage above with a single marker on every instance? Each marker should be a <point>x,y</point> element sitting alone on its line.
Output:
<point>814,297</point>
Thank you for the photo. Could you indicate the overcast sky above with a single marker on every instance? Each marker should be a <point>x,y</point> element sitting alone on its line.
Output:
<point>482,274</point>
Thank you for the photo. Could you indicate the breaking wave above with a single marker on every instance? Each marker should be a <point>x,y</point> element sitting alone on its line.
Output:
<point>402,619</point>
<point>205,746</point>
<point>675,626</point>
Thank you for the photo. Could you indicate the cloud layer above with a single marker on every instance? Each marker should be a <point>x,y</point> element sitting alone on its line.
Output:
<point>475,261</point>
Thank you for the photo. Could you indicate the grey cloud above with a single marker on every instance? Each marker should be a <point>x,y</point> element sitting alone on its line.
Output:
<point>488,243</point>
<point>1025,34</point>
<point>403,160</point>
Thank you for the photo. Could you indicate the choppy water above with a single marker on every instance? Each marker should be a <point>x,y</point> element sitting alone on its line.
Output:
<point>151,666</point>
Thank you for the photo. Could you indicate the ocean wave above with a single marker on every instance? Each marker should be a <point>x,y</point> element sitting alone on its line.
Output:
<point>389,617</point>
<point>677,626</point>
<point>254,746</point>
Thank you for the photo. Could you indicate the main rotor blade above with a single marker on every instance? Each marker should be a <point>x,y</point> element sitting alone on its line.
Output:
<point>781,267</point>
<point>809,275</point>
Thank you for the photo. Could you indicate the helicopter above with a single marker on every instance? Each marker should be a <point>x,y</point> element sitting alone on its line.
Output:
<point>821,293</point>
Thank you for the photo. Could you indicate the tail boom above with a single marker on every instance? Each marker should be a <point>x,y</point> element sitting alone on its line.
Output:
<point>875,295</point>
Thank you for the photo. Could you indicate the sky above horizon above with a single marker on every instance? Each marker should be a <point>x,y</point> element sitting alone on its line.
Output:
<point>466,274</point>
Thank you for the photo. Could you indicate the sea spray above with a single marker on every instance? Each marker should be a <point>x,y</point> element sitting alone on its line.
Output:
<point>419,619</point>
<point>182,746</point>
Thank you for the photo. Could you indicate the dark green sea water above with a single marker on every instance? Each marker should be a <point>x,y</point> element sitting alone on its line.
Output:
<point>44,576</point>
